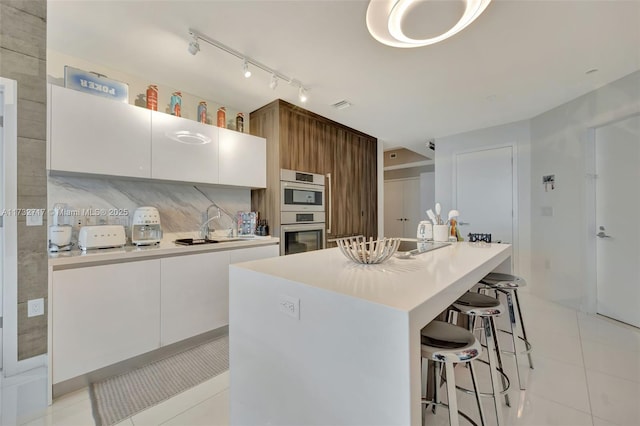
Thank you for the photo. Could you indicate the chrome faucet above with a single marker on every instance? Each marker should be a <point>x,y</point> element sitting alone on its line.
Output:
<point>205,229</point>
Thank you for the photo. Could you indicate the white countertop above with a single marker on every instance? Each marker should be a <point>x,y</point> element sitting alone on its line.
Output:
<point>402,284</point>
<point>164,249</point>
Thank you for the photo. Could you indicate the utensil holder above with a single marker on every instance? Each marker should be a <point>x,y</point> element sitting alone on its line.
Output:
<point>441,233</point>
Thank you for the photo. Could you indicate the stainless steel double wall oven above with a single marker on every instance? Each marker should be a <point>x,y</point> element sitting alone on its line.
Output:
<point>302,212</point>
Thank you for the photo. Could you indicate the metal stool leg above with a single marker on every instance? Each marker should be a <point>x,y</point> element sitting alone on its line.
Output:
<point>524,332</point>
<point>514,335</point>
<point>451,394</point>
<point>492,320</point>
<point>492,368</point>
<point>436,388</point>
<point>474,380</point>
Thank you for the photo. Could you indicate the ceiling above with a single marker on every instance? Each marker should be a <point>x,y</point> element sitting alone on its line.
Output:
<point>517,60</point>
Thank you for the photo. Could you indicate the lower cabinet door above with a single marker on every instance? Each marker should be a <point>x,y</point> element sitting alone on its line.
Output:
<point>194,295</point>
<point>254,253</point>
<point>102,315</point>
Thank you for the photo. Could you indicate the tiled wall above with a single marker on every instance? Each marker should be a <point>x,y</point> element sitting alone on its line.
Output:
<point>23,58</point>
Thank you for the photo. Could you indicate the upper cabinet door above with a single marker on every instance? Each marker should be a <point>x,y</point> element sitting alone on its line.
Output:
<point>243,159</point>
<point>183,150</point>
<point>90,134</point>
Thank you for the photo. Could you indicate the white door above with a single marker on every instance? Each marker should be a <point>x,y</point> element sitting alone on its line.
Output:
<point>411,204</point>
<point>617,212</point>
<point>401,207</point>
<point>484,193</point>
<point>393,208</point>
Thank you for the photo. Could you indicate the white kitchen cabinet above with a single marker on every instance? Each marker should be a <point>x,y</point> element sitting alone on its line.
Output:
<point>253,253</point>
<point>102,315</point>
<point>183,150</point>
<point>91,134</point>
<point>195,295</point>
<point>243,159</point>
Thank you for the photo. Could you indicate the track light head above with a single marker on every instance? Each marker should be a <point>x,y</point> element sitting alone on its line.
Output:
<point>245,69</point>
<point>194,46</point>
<point>274,82</point>
<point>302,94</point>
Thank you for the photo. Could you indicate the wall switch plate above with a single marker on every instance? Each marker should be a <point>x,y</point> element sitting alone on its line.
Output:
<point>35,307</point>
<point>289,306</point>
<point>546,211</point>
<point>34,217</point>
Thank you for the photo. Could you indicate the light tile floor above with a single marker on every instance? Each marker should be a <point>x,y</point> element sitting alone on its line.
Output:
<point>587,372</point>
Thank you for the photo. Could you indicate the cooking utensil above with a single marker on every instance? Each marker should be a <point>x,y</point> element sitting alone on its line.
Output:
<point>438,211</point>
<point>452,214</point>
<point>432,216</point>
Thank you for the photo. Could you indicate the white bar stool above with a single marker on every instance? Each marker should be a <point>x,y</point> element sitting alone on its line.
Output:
<point>508,285</point>
<point>448,344</point>
<point>487,309</point>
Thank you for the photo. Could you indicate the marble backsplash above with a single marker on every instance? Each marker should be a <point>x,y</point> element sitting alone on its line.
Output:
<point>103,201</point>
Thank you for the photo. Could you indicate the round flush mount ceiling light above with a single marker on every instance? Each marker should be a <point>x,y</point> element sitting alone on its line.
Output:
<point>385,19</point>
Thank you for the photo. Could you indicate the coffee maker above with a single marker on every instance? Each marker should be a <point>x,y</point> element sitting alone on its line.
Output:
<point>145,229</point>
<point>59,230</point>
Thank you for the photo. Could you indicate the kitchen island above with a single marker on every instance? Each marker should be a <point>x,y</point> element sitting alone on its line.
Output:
<point>316,339</point>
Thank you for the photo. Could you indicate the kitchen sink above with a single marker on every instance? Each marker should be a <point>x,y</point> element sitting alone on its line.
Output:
<point>201,241</point>
<point>194,241</point>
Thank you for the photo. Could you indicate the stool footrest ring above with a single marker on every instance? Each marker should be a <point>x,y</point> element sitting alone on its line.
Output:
<point>485,394</point>
<point>526,344</point>
<point>442,404</point>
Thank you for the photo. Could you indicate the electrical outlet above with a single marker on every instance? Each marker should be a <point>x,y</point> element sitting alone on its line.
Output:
<point>289,306</point>
<point>34,217</point>
<point>35,307</point>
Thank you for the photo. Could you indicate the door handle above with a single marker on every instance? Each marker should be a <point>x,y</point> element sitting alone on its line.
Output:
<point>601,234</point>
<point>463,223</point>
<point>400,219</point>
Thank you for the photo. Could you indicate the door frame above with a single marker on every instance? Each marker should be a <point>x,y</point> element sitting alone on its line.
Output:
<point>515,244</point>
<point>590,303</point>
<point>10,229</point>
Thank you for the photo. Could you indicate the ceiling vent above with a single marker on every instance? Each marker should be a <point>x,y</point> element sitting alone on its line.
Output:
<point>342,104</point>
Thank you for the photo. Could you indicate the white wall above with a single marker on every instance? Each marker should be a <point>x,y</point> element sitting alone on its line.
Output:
<point>427,193</point>
<point>562,142</point>
<point>513,134</point>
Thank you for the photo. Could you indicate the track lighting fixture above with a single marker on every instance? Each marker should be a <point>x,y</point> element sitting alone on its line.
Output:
<point>245,69</point>
<point>194,47</point>
<point>274,82</point>
<point>302,94</point>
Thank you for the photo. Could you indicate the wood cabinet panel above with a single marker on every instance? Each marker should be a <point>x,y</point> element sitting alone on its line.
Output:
<point>309,142</point>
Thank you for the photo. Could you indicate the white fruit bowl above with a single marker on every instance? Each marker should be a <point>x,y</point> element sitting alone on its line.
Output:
<point>359,250</point>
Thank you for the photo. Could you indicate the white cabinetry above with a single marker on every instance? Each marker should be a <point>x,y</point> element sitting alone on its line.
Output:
<point>253,253</point>
<point>195,295</point>
<point>183,150</point>
<point>102,315</point>
<point>90,134</point>
<point>243,159</point>
<point>94,135</point>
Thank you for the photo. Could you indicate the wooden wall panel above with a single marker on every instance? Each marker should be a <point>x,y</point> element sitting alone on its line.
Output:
<point>315,144</point>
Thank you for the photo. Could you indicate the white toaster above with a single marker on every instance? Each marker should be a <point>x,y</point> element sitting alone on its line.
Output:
<point>101,236</point>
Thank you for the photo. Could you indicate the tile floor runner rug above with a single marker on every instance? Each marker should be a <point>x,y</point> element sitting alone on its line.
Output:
<point>120,397</point>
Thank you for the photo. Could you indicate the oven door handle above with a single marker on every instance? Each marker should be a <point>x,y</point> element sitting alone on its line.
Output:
<point>329,203</point>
